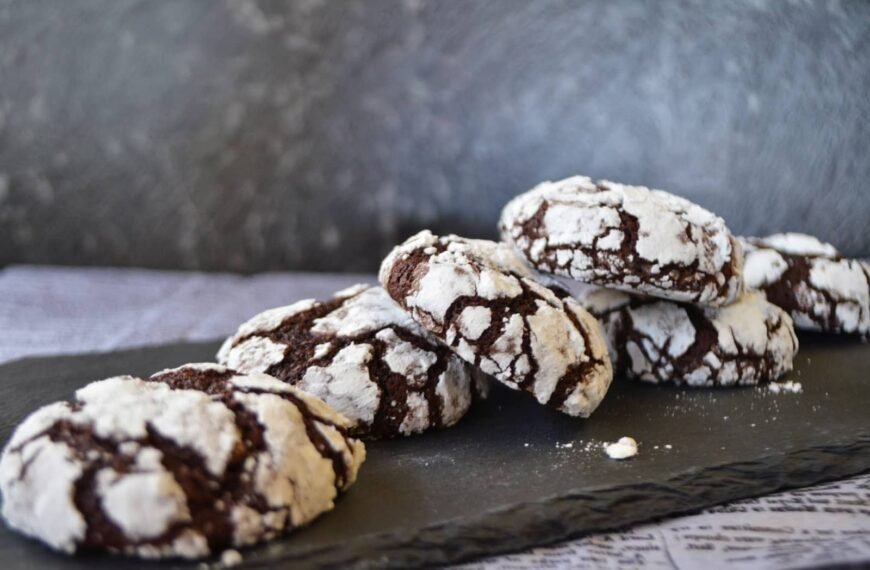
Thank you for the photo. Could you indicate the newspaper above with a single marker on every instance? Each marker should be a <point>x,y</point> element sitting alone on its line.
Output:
<point>63,310</point>
<point>819,526</point>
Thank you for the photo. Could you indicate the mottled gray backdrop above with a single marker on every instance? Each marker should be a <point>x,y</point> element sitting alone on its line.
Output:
<point>246,135</point>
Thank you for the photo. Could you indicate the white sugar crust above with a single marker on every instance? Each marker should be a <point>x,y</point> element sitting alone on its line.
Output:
<point>39,474</point>
<point>124,408</point>
<point>486,273</point>
<point>348,380</point>
<point>582,234</point>
<point>662,332</point>
<point>832,294</point>
<point>763,267</point>
<point>345,383</point>
<point>796,244</point>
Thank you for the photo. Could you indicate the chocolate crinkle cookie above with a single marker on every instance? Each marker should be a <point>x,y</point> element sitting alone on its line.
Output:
<point>820,289</point>
<point>184,464</point>
<point>626,237</point>
<point>365,357</point>
<point>748,342</point>
<point>479,297</point>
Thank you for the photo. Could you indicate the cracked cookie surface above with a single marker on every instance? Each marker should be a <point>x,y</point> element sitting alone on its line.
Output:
<point>365,357</point>
<point>183,464</point>
<point>480,298</point>
<point>819,288</point>
<point>748,342</point>
<point>625,237</point>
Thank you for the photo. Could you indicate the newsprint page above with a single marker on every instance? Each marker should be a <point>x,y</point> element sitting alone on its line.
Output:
<point>819,526</point>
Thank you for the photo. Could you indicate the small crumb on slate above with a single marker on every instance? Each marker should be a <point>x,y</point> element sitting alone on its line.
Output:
<point>623,449</point>
<point>668,446</point>
<point>231,558</point>
<point>790,386</point>
<point>525,445</point>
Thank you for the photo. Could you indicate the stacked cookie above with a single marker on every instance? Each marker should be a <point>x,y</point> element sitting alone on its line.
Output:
<point>663,275</point>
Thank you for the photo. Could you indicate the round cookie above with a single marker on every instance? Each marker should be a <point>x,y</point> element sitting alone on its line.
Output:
<point>820,289</point>
<point>184,464</point>
<point>748,342</point>
<point>479,297</point>
<point>625,237</point>
<point>364,356</point>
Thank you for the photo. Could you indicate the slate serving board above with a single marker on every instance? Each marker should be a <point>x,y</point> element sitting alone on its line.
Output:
<point>514,474</point>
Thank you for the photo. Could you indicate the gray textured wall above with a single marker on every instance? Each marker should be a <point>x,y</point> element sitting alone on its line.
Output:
<point>255,135</point>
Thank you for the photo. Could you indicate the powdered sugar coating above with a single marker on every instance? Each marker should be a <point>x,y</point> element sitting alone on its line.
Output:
<point>345,383</point>
<point>149,468</point>
<point>365,357</point>
<point>625,237</point>
<point>482,300</point>
<point>747,342</point>
<point>798,244</point>
<point>819,288</point>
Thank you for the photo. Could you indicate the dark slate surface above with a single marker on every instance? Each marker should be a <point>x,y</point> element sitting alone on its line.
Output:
<point>248,135</point>
<point>479,489</point>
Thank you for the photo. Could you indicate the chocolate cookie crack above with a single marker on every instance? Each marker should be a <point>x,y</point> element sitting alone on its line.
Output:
<point>217,385</point>
<point>403,275</point>
<point>501,310</point>
<point>187,467</point>
<point>301,345</point>
<point>578,373</point>
<point>613,267</point>
<point>783,292</point>
<point>750,366</point>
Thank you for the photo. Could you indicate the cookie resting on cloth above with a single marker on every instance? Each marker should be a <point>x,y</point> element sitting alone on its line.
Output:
<point>365,357</point>
<point>625,237</point>
<point>819,288</point>
<point>184,464</point>
<point>748,342</point>
<point>479,297</point>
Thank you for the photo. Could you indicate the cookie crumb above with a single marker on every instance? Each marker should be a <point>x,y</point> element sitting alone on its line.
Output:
<point>790,386</point>
<point>623,449</point>
<point>231,558</point>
